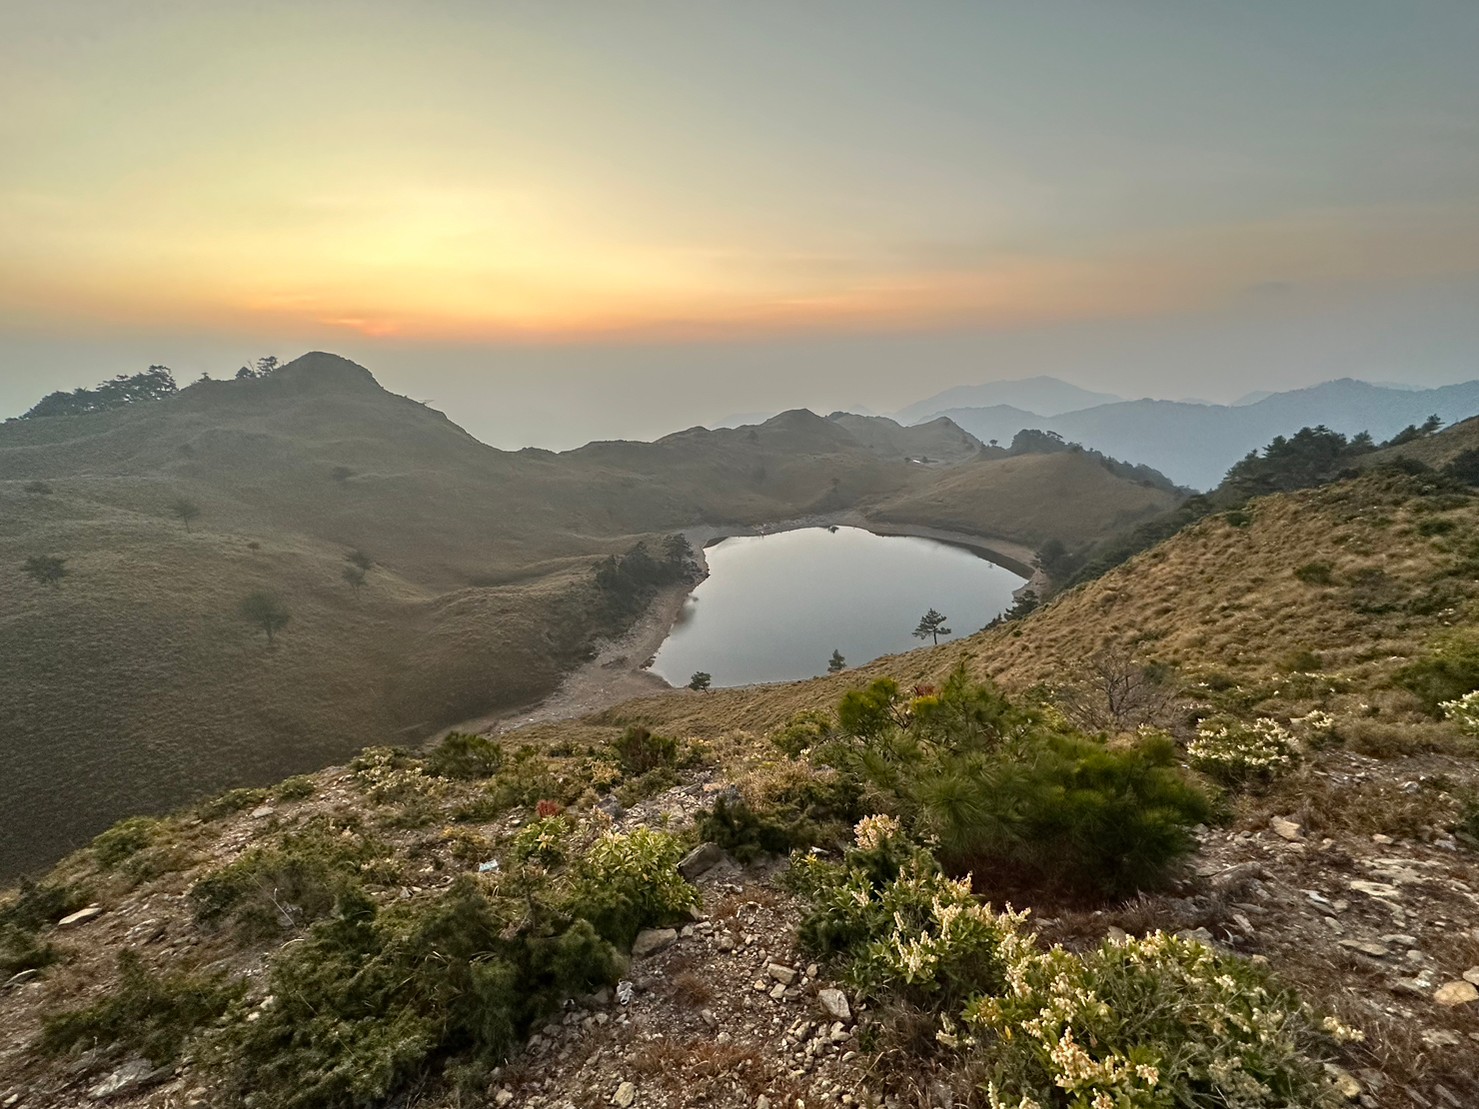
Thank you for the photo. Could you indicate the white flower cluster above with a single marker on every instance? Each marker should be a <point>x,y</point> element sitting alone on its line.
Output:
<point>1464,712</point>
<point>1235,751</point>
<point>1232,1030</point>
<point>1317,720</point>
<point>873,832</point>
<point>383,781</point>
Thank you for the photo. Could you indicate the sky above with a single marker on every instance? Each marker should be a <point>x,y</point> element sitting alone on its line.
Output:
<point>569,220</point>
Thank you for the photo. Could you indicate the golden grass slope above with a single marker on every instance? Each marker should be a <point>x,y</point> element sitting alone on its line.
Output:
<point>1223,604</point>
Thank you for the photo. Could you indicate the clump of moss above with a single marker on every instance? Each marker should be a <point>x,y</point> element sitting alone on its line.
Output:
<point>232,801</point>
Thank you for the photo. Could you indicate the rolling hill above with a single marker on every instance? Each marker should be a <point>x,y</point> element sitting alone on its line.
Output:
<point>135,685</point>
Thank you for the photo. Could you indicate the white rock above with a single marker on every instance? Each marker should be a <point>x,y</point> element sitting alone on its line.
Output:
<point>81,916</point>
<point>1286,829</point>
<point>625,1094</point>
<point>1458,992</point>
<point>781,973</point>
<point>650,941</point>
<point>834,1003</point>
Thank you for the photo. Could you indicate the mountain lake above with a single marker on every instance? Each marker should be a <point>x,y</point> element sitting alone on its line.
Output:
<point>774,607</point>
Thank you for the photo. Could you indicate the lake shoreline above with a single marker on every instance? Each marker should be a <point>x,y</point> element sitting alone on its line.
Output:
<point>619,671</point>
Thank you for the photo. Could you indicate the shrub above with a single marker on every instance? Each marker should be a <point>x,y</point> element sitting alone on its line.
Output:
<point>127,838</point>
<point>543,841</point>
<point>1464,712</point>
<point>1235,753</point>
<point>786,809</point>
<point>623,883</point>
<point>1152,1021</point>
<point>1450,670</point>
<point>232,801</point>
<point>464,755</point>
<point>37,905</point>
<point>152,1015</point>
<point>297,788</point>
<point>368,1001</point>
<point>802,731</point>
<point>640,751</point>
<point>1016,796</point>
<point>20,950</point>
<point>283,886</point>
<point>1316,573</point>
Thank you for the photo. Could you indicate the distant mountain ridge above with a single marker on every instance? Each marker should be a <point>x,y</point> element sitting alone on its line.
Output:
<point>1194,444</point>
<point>1046,396</point>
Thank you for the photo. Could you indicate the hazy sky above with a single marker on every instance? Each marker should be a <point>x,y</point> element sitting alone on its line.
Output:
<point>558,220</point>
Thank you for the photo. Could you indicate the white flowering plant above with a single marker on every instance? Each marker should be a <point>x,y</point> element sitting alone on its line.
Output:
<point>626,881</point>
<point>1154,1021</point>
<point>1236,753</point>
<point>1464,712</point>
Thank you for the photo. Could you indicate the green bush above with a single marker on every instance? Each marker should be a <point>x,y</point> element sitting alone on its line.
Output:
<point>152,1015</point>
<point>127,838</point>
<point>1450,670</point>
<point>297,788</point>
<point>623,883</point>
<point>1147,1022</point>
<point>808,808</point>
<point>1016,797</point>
<point>464,755</point>
<point>36,905</point>
<point>283,886</point>
<point>803,731</point>
<point>232,801</point>
<point>371,1001</point>
<point>20,950</point>
<point>639,751</point>
<point>1316,573</point>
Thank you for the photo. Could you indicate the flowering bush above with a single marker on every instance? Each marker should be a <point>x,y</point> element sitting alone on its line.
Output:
<point>1147,1023</point>
<point>542,841</point>
<point>387,775</point>
<point>909,928</point>
<point>625,882</point>
<point>1158,1021</point>
<point>1464,712</point>
<point>1235,753</point>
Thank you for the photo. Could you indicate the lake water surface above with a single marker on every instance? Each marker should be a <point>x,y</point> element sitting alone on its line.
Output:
<point>774,607</point>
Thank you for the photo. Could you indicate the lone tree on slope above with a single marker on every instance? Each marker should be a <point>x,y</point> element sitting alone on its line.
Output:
<point>46,570</point>
<point>358,559</point>
<point>355,576</point>
<point>186,511</point>
<point>266,611</point>
<point>700,681</point>
<point>836,664</point>
<point>931,626</point>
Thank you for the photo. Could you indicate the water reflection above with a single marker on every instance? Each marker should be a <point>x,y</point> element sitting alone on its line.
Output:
<point>775,607</point>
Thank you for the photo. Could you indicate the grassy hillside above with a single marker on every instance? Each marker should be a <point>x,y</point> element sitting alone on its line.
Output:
<point>135,685</point>
<point>1343,872</point>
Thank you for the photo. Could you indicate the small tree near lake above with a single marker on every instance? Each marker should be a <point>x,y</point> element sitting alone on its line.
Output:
<point>186,511</point>
<point>700,682</point>
<point>836,664</point>
<point>931,626</point>
<point>355,576</point>
<point>266,611</point>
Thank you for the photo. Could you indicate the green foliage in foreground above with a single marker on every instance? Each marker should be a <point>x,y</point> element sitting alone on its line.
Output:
<point>1450,670</point>
<point>465,755</point>
<point>639,751</point>
<point>1155,1021</point>
<point>153,1015</point>
<point>371,999</point>
<point>1016,797</point>
<point>285,885</point>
